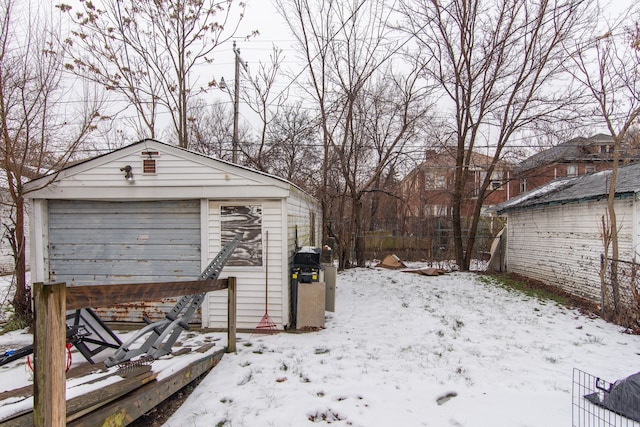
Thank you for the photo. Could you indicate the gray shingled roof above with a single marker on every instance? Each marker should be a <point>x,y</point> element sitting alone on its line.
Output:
<point>581,188</point>
<point>568,151</point>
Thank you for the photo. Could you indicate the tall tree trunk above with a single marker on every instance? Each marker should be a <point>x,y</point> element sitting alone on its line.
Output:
<point>457,197</point>
<point>22,297</point>
<point>613,226</point>
<point>359,230</point>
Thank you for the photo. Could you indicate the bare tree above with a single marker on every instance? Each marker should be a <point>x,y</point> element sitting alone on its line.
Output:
<point>209,128</point>
<point>147,51</point>
<point>348,51</point>
<point>295,151</point>
<point>40,133</point>
<point>608,66</point>
<point>265,104</point>
<point>497,62</point>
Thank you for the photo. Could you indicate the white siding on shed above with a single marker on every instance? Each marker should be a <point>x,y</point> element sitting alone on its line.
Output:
<point>561,244</point>
<point>303,218</point>
<point>281,219</point>
<point>7,264</point>
<point>180,174</point>
<point>209,184</point>
<point>6,253</point>
<point>251,280</point>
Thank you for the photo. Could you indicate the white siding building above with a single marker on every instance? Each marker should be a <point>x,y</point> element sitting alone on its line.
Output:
<point>166,222</point>
<point>7,218</point>
<point>554,233</point>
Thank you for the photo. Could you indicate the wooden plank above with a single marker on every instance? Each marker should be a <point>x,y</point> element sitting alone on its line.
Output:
<point>142,400</point>
<point>231,313</point>
<point>182,351</point>
<point>50,337</point>
<point>105,295</point>
<point>75,372</point>
<point>205,347</point>
<point>88,402</point>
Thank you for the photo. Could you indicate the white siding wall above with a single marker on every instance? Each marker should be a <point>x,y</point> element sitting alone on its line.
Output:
<point>251,280</point>
<point>182,175</point>
<point>6,253</point>
<point>179,175</point>
<point>561,245</point>
<point>635,238</point>
<point>300,210</point>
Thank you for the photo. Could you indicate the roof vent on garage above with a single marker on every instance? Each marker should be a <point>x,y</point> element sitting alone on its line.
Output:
<point>149,162</point>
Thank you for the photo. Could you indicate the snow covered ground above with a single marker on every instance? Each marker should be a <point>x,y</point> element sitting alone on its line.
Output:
<point>409,350</point>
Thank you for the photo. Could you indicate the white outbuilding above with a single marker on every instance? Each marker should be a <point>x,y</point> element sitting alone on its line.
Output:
<point>153,212</point>
<point>554,233</point>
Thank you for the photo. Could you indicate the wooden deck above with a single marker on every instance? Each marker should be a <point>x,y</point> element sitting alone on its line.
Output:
<point>135,392</point>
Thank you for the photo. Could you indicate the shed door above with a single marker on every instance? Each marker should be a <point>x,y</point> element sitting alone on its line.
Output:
<point>125,242</point>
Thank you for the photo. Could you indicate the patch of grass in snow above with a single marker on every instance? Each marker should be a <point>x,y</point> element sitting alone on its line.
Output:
<point>525,288</point>
<point>462,372</point>
<point>592,339</point>
<point>551,359</point>
<point>246,378</point>
<point>14,324</point>
<point>329,416</point>
<point>304,378</point>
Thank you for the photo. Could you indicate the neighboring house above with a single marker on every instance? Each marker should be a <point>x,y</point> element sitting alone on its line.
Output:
<point>153,212</point>
<point>7,262</point>
<point>578,156</point>
<point>6,253</point>
<point>426,190</point>
<point>554,233</point>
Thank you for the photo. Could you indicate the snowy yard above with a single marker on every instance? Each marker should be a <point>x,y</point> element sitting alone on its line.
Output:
<point>409,350</point>
<point>399,345</point>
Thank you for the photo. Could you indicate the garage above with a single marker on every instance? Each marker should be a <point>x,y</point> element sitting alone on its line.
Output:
<point>152,212</point>
<point>106,242</point>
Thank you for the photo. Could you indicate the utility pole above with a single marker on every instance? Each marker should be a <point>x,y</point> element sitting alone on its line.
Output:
<point>236,101</point>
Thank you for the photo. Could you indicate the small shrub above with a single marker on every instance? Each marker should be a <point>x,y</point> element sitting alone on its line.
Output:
<point>14,323</point>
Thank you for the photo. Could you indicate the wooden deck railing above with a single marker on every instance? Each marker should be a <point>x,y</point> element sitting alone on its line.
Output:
<point>52,300</point>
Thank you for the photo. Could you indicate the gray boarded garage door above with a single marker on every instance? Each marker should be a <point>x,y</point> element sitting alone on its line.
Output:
<point>98,242</point>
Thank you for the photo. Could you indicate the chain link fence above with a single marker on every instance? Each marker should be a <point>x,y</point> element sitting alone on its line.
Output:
<point>621,290</point>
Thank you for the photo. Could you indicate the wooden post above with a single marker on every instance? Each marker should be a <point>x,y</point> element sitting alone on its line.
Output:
<point>49,390</point>
<point>231,316</point>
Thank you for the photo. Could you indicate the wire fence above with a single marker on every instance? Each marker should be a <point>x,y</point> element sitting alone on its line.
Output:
<point>623,275</point>
<point>590,396</point>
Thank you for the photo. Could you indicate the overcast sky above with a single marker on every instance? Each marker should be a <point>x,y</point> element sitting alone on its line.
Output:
<point>261,15</point>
